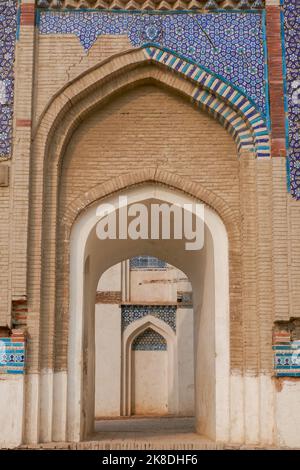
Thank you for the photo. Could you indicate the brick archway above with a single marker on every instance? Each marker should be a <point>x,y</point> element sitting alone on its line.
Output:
<point>50,141</point>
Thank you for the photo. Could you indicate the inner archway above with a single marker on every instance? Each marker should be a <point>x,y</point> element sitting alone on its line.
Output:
<point>207,270</point>
<point>144,341</point>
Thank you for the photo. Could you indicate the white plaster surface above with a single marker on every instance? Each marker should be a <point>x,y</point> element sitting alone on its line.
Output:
<point>288,413</point>
<point>251,409</point>
<point>111,279</point>
<point>185,355</point>
<point>59,406</point>
<point>108,360</point>
<point>143,288</point>
<point>11,410</point>
<point>31,408</point>
<point>46,403</point>
<point>149,382</point>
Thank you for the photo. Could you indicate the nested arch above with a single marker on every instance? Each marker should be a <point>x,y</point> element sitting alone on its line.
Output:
<point>208,273</point>
<point>63,115</point>
<point>130,334</point>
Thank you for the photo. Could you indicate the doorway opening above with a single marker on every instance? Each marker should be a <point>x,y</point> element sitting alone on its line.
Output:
<point>207,271</point>
<point>144,346</point>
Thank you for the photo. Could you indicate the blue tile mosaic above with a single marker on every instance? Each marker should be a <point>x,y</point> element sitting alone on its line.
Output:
<point>166,313</point>
<point>229,44</point>
<point>287,359</point>
<point>8,26</point>
<point>149,340</point>
<point>147,262</point>
<point>291,10</point>
<point>12,356</point>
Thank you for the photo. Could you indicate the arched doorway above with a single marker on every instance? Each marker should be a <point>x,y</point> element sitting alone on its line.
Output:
<point>207,270</point>
<point>144,343</point>
<point>149,373</point>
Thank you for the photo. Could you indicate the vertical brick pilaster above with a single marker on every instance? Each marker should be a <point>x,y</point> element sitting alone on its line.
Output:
<point>277,112</point>
<point>24,71</point>
<point>27,16</point>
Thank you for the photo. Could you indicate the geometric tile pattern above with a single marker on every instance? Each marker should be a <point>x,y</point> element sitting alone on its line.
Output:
<point>12,356</point>
<point>218,97</point>
<point>147,262</point>
<point>209,5</point>
<point>287,359</point>
<point>149,340</point>
<point>131,313</point>
<point>291,11</point>
<point>229,44</point>
<point>8,26</point>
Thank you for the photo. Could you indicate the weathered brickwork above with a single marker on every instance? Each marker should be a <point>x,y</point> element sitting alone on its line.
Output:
<point>109,297</point>
<point>148,133</point>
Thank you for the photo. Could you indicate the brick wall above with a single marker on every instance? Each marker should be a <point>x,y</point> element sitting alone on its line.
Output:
<point>148,128</point>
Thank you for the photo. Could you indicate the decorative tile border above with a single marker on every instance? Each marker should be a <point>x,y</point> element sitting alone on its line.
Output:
<point>208,5</point>
<point>228,44</point>
<point>12,355</point>
<point>149,340</point>
<point>131,313</point>
<point>291,15</point>
<point>8,28</point>
<point>287,359</point>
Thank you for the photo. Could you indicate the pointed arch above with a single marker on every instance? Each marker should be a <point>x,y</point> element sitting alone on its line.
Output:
<point>222,100</point>
<point>129,335</point>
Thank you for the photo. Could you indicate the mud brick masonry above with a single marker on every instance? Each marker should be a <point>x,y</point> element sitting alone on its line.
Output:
<point>197,98</point>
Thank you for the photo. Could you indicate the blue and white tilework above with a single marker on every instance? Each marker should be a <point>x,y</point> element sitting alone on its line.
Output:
<point>228,44</point>
<point>147,262</point>
<point>12,356</point>
<point>287,359</point>
<point>8,26</point>
<point>291,9</point>
<point>149,340</point>
<point>166,313</point>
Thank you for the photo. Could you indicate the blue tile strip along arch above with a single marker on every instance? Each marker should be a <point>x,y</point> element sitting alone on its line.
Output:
<point>210,82</point>
<point>131,313</point>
